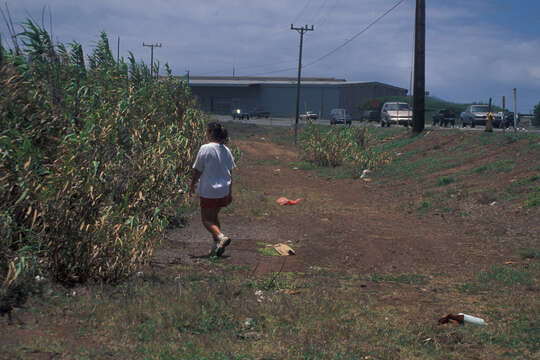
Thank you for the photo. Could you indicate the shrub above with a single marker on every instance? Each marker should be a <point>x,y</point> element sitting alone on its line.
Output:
<point>93,160</point>
<point>334,145</point>
<point>536,117</point>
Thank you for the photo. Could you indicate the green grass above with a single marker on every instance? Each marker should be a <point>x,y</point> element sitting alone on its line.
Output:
<point>318,315</point>
<point>506,276</point>
<point>533,198</point>
<point>268,251</point>
<point>409,279</point>
<point>530,254</point>
<point>445,180</point>
<point>497,167</point>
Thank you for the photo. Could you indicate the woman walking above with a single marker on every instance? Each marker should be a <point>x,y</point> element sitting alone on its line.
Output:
<point>213,167</point>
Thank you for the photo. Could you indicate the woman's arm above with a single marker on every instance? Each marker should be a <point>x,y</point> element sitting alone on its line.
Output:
<point>195,175</point>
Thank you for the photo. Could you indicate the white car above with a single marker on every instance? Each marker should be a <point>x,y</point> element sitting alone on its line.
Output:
<point>396,113</point>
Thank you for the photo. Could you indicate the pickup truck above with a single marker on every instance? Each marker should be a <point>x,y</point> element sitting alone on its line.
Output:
<point>396,113</point>
<point>477,114</point>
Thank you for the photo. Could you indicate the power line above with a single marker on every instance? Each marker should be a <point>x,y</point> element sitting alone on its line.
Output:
<point>319,11</point>
<point>324,19</point>
<point>355,35</point>
<point>340,46</point>
<point>325,55</point>
<point>301,11</point>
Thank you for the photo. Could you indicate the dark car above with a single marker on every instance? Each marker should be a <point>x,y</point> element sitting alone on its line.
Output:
<point>477,115</point>
<point>371,115</point>
<point>240,114</point>
<point>444,117</point>
<point>340,116</point>
<point>259,113</point>
<point>509,119</point>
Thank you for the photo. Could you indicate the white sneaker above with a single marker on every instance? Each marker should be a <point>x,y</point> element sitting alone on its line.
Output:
<point>223,243</point>
<point>213,249</point>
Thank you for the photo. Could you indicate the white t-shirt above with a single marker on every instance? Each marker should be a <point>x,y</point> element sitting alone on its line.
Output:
<point>215,163</point>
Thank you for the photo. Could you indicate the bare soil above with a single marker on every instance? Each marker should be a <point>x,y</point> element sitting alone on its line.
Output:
<point>351,225</point>
<point>343,226</point>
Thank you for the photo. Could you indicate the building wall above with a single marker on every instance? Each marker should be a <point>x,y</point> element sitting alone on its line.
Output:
<point>280,99</point>
<point>353,95</point>
<point>222,99</point>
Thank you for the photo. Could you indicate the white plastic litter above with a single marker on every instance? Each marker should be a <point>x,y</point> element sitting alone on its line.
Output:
<point>473,319</point>
<point>365,173</point>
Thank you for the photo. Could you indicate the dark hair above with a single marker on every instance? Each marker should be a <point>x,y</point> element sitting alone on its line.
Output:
<point>218,132</point>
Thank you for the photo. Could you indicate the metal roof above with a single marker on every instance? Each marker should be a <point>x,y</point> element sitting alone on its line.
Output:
<point>245,81</point>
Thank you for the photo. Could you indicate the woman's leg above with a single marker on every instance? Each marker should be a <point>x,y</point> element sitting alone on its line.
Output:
<point>209,217</point>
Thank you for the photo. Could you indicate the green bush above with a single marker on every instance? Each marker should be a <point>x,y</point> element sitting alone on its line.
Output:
<point>536,117</point>
<point>332,146</point>
<point>94,160</point>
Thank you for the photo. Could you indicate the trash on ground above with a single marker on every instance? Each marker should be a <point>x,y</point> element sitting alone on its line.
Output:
<point>251,335</point>
<point>365,173</point>
<point>285,201</point>
<point>295,168</point>
<point>473,319</point>
<point>290,292</point>
<point>260,296</point>
<point>461,318</point>
<point>284,250</point>
<point>493,203</point>
<point>249,322</point>
<point>452,319</point>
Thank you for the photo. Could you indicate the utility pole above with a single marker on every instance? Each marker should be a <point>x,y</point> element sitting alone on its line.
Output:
<point>152,46</point>
<point>503,120</point>
<point>419,67</point>
<point>515,110</point>
<point>301,31</point>
<point>187,72</point>
<point>118,54</point>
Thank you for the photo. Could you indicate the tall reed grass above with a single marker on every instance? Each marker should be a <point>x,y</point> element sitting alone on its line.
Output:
<point>94,158</point>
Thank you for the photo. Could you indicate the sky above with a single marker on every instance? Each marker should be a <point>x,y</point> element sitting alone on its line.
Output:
<point>475,49</point>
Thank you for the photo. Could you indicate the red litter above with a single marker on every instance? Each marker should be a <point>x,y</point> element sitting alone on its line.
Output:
<point>285,201</point>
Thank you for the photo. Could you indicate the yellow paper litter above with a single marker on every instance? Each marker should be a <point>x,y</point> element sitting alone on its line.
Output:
<point>284,250</point>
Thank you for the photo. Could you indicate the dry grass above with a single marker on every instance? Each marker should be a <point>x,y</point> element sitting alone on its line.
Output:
<point>202,314</point>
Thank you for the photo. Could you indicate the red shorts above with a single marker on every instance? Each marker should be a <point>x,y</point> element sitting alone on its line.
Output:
<point>215,203</point>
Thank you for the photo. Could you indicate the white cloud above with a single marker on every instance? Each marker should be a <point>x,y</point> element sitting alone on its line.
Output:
<point>468,57</point>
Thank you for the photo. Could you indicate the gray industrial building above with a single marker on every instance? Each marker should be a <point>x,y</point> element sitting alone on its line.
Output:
<point>277,95</point>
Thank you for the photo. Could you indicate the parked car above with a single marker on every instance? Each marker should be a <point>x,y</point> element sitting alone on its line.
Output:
<point>340,116</point>
<point>396,113</point>
<point>240,114</point>
<point>477,115</point>
<point>259,113</point>
<point>371,115</point>
<point>309,116</point>
<point>509,119</point>
<point>444,117</point>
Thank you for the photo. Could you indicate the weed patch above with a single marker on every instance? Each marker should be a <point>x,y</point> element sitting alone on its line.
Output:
<point>533,199</point>
<point>445,180</point>
<point>506,276</point>
<point>409,279</point>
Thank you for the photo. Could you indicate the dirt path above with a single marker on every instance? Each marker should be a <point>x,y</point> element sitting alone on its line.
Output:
<point>344,225</point>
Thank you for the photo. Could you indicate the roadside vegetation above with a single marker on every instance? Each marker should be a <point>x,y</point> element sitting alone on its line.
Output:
<point>333,146</point>
<point>94,159</point>
<point>211,309</point>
